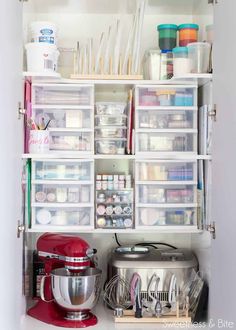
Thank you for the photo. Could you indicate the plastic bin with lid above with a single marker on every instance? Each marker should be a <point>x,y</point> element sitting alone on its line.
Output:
<point>188,33</point>
<point>167,36</point>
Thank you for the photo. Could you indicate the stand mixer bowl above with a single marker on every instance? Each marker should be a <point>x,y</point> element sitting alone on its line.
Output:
<point>77,293</point>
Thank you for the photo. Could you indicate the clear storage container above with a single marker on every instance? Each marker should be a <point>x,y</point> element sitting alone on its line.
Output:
<point>164,96</point>
<point>64,118</point>
<point>110,146</point>
<point>166,142</point>
<point>152,64</point>
<point>163,119</point>
<point>181,62</point>
<point>114,209</point>
<point>58,193</point>
<point>62,94</point>
<point>166,171</point>
<point>55,217</point>
<point>199,55</point>
<point>166,216</point>
<point>108,120</point>
<point>166,65</point>
<point>110,108</point>
<point>164,194</point>
<point>71,141</point>
<point>188,33</point>
<point>167,36</point>
<point>57,170</point>
<point>116,132</point>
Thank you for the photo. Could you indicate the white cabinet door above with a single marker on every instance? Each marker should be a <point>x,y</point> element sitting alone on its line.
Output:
<point>223,290</point>
<point>10,163</point>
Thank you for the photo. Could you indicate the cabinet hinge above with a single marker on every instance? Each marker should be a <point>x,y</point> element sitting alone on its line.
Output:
<point>212,229</point>
<point>212,113</point>
<point>20,228</point>
<point>213,2</point>
<point>21,111</point>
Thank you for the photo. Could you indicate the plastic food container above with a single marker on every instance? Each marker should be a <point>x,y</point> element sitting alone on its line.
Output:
<point>199,55</point>
<point>110,146</point>
<point>183,99</point>
<point>166,65</point>
<point>181,62</point>
<point>107,120</point>
<point>110,108</point>
<point>152,62</point>
<point>110,132</point>
<point>188,33</point>
<point>166,98</point>
<point>41,57</point>
<point>167,36</point>
<point>44,32</point>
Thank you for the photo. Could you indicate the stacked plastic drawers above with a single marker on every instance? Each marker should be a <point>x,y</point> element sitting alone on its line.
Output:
<point>110,128</point>
<point>166,148</point>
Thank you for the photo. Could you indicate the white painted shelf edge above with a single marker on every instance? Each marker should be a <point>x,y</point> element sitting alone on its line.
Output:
<point>138,157</point>
<point>198,79</point>
<point>138,230</point>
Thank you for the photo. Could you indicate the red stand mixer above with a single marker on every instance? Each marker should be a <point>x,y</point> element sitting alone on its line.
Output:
<point>71,285</point>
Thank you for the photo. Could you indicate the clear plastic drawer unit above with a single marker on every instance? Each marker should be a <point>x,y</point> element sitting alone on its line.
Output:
<point>166,120</point>
<point>62,193</point>
<point>166,193</point>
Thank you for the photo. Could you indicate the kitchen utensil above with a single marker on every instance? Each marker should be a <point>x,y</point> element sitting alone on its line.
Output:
<point>155,304</point>
<point>77,293</point>
<point>135,291</point>
<point>172,292</point>
<point>117,293</point>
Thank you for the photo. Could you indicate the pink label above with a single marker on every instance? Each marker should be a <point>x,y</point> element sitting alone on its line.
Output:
<point>39,140</point>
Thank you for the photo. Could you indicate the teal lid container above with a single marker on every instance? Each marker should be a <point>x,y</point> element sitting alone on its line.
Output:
<point>167,36</point>
<point>188,26</point>
<point>181,50</point>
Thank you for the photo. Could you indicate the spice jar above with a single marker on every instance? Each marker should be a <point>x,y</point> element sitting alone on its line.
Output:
<point>166,64</point>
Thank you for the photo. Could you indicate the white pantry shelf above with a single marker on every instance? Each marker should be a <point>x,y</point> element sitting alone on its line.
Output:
<point>194,79</point>
<point>139,230</point>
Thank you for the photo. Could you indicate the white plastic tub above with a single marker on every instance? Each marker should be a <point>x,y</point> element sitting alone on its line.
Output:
<point>41,57</point>
<point>43,32</point>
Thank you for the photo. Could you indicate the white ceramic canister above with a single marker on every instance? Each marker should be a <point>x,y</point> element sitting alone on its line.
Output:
<point>43,32</point>
<point>41,57</point>
<point>39,142</point>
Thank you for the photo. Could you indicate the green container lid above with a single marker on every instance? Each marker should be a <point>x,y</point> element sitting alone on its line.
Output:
<point>188,26</point>
<point>167,26</point>
<point>177,50</point>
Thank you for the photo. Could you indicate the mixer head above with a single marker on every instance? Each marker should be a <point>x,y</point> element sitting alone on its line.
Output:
<point>68,251</point>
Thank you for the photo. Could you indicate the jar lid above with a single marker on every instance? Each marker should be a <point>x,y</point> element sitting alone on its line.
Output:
<point>166,51</point>
<point>188,26</point>
<point>167,26</point>
<point>177,50</point>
